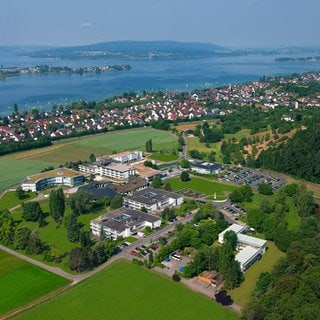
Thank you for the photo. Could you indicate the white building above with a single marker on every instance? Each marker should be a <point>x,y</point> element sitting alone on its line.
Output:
<point>250,248</point>
<point>127,156</point>
<point>123,222</point>
<point>57,177</point>
<point>236,228</point>
<point>254,242</point>
<point>152,199</point>
<point>247,257</point>
<point>111,170</point>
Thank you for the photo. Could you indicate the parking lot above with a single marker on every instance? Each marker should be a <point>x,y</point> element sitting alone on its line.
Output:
<point>172,264</point>
<point>252,177</point>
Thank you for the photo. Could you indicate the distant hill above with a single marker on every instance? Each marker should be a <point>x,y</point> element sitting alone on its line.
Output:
<point>133,50</point>
<point>148,50</point>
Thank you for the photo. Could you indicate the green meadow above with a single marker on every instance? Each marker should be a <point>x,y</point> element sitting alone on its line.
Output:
<point>9,199</point>
<point>127,291</point>
<point>21,282</point>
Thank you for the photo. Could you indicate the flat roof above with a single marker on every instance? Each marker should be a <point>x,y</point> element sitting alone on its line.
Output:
<point>120,167</point>
<point>150,196</point>
<point>237,228</point>
<point>60,172</point>
<point>251,241</point>
<point>124,154</point>
<point>122,218</point>
<point>134,182</point>
<point>206,165</point>
<point>246,254</point>
<point>146,171</point>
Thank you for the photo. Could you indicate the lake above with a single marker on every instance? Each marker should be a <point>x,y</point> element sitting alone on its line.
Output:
<point>43,91</point>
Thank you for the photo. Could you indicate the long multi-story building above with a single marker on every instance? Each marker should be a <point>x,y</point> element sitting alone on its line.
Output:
<point>111,170</point>
<point>61,176</point>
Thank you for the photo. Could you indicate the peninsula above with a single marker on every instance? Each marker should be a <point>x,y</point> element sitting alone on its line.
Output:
<point>45,69</point>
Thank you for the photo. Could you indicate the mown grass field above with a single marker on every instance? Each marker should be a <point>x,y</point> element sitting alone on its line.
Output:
<point>202,185</point>
<point>127,291</point>
<point>15,167</point>
<point>21,282</point>
<point>241,295</point>
<point>164,157</point>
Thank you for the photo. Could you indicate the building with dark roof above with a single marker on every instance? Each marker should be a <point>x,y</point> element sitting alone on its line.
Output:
<point>135,183</point>
<point>99,191</point>
<point>206,167</point>
<point>152,199</point>
<point>123,222</point>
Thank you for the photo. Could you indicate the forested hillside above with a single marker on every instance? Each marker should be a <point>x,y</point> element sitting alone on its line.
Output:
<point>299,156</point>
<point>291,290</point>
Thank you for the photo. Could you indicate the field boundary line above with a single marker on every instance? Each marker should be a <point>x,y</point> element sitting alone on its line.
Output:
<point>36,302</point>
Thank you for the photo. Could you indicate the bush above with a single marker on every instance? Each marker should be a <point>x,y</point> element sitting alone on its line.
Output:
<point>176,277</point>
<point>137,262</point>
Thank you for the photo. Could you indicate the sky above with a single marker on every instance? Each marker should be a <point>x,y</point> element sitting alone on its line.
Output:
<point>232,23</point>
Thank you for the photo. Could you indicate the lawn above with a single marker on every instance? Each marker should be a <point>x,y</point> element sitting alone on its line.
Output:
<point>292,217</point>
<point>10,200</point>
<point>242,294</point>
<point>128,291</point>
<point>164,157</point>
<point>54,233</point>
<point>21,282</point>
<point>203,185</point>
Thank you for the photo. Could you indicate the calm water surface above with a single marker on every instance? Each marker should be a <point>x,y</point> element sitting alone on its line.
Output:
<point>43,91</point>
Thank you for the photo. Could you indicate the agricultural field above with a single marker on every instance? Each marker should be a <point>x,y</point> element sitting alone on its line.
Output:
<point>15,167</point>
<point>204,186</point>
<point>128,291</point>
<point>21,282</point>
<point>241,295</point>
<point>12,172</point>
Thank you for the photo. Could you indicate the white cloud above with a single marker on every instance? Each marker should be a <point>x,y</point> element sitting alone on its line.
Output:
<point>86,24</point>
